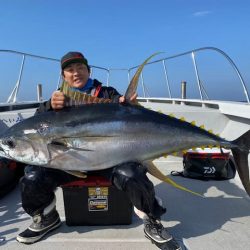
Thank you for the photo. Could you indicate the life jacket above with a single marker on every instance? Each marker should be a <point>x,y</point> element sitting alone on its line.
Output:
<point>96,90</point>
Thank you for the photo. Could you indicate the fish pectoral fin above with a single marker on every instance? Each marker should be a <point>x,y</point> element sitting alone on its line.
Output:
<point>153,170</point>
<point>58,143</point>
<point>86,137</point>
<point>70,160</point>
<point>65,146</point>
<point>69,141</point>
<point>57,147</point>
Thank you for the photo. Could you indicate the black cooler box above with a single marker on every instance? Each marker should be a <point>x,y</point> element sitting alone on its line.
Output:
<point>95,201</point>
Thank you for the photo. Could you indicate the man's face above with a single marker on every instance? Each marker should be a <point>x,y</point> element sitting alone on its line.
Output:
<point>76,74</point>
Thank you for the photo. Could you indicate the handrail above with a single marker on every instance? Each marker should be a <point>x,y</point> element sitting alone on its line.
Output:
<point>192,52</point>
<point>27,54</point>
<point>13,95</point>
<point>43,57</point>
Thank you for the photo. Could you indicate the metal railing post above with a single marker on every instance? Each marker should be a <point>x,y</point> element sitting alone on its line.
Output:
<point>143,86</point>
<point>128,76</point>
<point>91,72</point>
<point>59,80</point>
<point>13,95</point>
<point>197,74</point>
<point>183,90</point>
<point>166,78</point>
<point>39,92</point>
<point>204,90</point>
<point>108,76</point>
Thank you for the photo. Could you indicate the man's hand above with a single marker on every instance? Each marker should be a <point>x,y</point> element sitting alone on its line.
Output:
<point>57,100</point>
<point>132,99</point>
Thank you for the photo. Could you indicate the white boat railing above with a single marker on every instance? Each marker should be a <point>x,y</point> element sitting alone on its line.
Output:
<point>12,98</point>
<point>201,87</point>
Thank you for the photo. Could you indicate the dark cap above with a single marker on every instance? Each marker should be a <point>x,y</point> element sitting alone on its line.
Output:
<point>73,57</point>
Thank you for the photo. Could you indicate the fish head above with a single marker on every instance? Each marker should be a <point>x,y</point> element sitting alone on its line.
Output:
<point>26,143</point>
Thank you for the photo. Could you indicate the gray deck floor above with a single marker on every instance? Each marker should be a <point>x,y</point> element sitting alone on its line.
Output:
<point>219,221</point>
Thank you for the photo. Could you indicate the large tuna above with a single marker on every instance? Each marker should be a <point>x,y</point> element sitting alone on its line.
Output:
<point>101,135</point>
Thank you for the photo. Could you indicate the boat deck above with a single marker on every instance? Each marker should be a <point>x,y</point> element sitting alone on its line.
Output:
<point>219,221</point>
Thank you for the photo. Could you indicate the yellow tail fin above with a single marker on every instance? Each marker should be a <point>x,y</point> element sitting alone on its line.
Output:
<point>153,170</point>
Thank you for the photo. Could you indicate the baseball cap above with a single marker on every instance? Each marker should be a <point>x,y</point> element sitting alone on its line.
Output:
<point>73,57</point>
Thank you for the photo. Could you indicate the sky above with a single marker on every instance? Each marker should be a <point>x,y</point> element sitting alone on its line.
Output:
<point>121,34</point>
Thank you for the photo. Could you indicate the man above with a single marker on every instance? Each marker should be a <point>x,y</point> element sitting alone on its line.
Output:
<point>38,184</point>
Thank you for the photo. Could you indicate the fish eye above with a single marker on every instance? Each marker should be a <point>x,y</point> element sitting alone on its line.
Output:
<point>9,142</point>
<point>43,128</point>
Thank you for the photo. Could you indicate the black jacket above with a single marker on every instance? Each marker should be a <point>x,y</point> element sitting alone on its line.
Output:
<point>105,92</point>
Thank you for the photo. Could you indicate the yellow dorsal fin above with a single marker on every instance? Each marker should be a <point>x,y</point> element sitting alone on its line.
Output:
<point>182,119</point>
<point>210,131</point>
<point>193,123</point>
<point>171,115</point>
<point>202,127</point>
<point>78,98</point>
<point>153,170</point>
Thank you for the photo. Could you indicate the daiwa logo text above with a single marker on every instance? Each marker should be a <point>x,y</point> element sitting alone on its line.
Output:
<point>209,170</point>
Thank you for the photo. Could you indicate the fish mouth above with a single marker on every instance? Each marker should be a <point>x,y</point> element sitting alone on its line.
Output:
<point>1,148</point>
<point>3,153</point>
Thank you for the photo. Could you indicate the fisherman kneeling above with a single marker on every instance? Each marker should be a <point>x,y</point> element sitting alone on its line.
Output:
<point>38,184</point>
